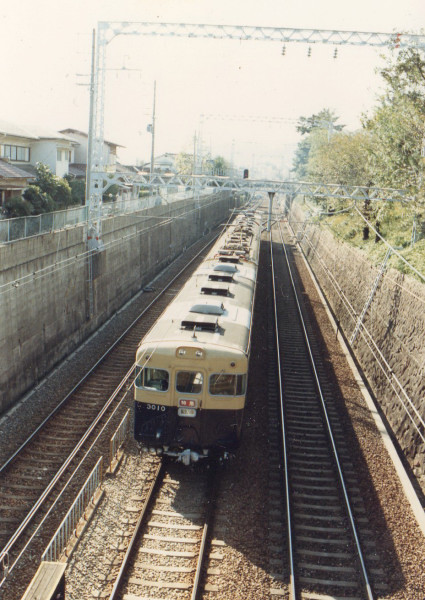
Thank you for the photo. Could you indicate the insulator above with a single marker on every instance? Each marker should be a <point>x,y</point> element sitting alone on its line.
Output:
<point>336,53</point>
<point>309,51</point>
<point>283,50</point>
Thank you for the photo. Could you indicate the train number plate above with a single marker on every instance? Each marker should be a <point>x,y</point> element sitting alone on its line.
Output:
<point>186,412</point>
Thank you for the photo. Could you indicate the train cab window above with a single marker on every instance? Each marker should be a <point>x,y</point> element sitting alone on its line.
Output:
<point>153,379</point>
<point>226,384</point>
<point>189,382</point>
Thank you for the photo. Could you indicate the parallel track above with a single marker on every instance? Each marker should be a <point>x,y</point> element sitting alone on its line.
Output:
<point>327,531</point>
<point>32,478</point>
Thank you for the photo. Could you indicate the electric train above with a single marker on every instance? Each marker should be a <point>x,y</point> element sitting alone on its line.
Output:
<point>192,366</point>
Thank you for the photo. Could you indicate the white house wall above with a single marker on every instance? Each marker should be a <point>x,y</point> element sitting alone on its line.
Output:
<point>46,152</point>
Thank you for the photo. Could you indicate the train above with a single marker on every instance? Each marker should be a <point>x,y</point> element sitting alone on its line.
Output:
<point>192,365</point>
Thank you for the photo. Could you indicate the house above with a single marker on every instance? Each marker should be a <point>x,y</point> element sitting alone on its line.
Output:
<point>25,147</point>
<point>79,162</point>
<point>64,152</point>
<point>13,181</point>
<point>165,163</point>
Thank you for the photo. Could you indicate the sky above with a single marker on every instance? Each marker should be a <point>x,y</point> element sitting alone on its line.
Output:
<point>241,98</point>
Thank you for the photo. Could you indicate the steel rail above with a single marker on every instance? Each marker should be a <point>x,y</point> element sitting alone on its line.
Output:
<point>208,518</point>
<point>11,542</point>
<point>368,339</point>
<point>121,572</point>
<point>329,428</point>
<point>4,554</point>
<point>292,586</point>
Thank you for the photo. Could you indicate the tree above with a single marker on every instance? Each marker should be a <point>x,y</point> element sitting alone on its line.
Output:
<point>49,192</point>
<point>40,201</point>
<point>111,193</point>
<point>299,165</point>
<point>220,166</point>
<point>325,119</point>
<point>17,207</point>
<point>343,159</point>
<point>404,75</point>
<point>310,127</point>
<point>78,189</point>
<point>396,123</point>
<point>184,163</point>
<point>62,194</point>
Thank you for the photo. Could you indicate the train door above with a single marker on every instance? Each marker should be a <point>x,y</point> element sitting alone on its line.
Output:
<point>189,394</point>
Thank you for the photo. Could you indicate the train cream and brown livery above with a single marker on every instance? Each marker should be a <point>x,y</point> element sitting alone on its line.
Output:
<point>192,366</point>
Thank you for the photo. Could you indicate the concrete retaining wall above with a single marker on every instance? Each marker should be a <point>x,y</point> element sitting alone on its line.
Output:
<point>395,321</point>
<point>44,292</point>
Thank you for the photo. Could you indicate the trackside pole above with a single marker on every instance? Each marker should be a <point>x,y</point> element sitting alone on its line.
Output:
<point>269,221</point>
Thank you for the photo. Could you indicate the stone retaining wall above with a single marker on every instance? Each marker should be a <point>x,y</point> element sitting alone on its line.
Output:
<point>395,321</point>
<point>45,298</point>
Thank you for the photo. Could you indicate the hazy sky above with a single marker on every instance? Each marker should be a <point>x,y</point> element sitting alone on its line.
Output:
<point>45,51</point>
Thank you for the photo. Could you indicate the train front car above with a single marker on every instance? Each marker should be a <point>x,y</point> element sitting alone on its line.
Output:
<point>192,366</point>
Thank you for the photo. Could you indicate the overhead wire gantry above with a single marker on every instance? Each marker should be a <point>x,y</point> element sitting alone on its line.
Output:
<point>108,30</point>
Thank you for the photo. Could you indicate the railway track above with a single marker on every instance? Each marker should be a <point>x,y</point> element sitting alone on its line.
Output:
<point>33,479</point>
<point>329,542</point>
<point>166,552</point>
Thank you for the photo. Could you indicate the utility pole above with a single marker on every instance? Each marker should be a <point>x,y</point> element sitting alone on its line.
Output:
<point>91,120</point>
<point>153,130</point>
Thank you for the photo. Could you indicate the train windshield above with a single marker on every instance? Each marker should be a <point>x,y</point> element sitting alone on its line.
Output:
<point>189,382</point>
<point>153,379</point>
<point>225,384</point>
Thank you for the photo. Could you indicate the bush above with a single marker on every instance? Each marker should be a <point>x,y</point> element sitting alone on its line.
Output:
<point>17,207</point>
<point>41,201</point>
<point>78,191</point>
<point>62,194</point>
<point>111,193</point>
<point>351,234</point>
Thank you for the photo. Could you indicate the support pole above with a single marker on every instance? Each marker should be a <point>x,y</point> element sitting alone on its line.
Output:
<point>153,131</point>
<point>269,221</point>
<point>91,122</point>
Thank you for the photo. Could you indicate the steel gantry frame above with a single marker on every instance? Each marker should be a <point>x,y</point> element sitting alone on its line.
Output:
<point>108,30</point>
<point>305,188</point>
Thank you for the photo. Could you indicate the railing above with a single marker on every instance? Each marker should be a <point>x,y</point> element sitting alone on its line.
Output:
<point>68,527</point>
<point>23,227</point>
<point>118,438</point>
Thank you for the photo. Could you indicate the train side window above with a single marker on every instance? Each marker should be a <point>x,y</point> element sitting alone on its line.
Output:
<point>189,382</point>
<point>153,379</point>
<point>225,384</point>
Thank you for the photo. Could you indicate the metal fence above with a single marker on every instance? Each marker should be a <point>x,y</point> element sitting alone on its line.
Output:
<point>23,227</point>
<point>68,526</point>
<point>118,438</point>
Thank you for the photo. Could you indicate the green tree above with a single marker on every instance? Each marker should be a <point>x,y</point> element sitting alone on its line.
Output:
<point>220,166</point>
<point>62,194</point>
<point>78,190</point>
<point>396,124</point>
<point>184,163</point>
<point>17,207</point>
<point>325,119</point>
<point>343,159</point>
<point>52,192</point>
<point>40,201</point>
<point>310,127</point>
<point>300,161</point>
<point>111,193</point>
